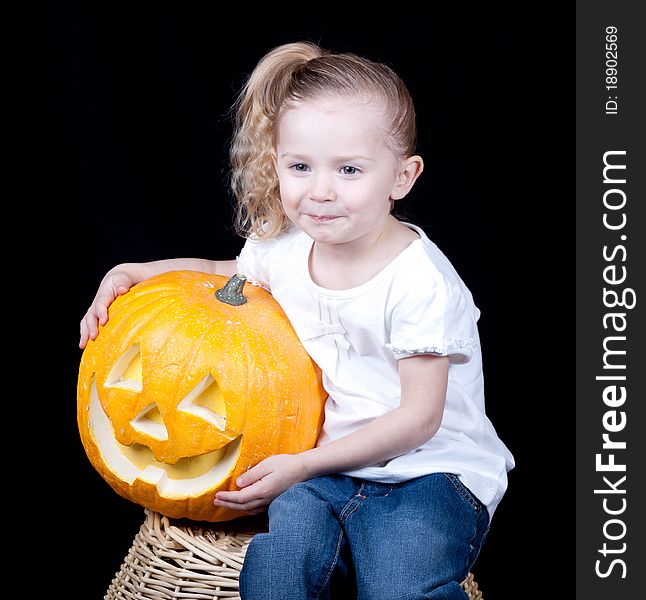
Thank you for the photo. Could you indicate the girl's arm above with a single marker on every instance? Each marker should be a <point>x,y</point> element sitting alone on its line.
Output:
<point>120,279</point>
<point>423,392</point>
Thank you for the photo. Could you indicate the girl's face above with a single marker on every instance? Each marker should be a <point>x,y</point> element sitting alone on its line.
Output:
<point>335,170</point>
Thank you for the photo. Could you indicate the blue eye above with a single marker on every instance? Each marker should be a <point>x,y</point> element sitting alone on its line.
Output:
<point>300,167</point>
<point>349,170</point>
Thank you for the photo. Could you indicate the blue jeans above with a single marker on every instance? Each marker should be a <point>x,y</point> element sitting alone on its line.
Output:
<point>340,537</point>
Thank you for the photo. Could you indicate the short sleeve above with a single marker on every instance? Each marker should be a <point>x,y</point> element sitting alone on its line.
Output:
<point>435,317</point>
<point>255,259</point>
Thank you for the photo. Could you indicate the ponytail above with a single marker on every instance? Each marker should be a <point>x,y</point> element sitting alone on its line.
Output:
<point>253,177</point>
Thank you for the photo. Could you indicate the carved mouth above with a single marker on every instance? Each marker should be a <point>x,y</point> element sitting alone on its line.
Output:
<point>188,477</point>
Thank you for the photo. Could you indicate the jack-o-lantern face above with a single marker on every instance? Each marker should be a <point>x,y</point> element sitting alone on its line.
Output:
<point>181,392</point>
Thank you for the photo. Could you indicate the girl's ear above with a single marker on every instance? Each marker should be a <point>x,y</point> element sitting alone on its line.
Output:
<point>410,170</point>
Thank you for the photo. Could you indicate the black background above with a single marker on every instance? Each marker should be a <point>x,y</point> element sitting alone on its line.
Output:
<point>118,134</point>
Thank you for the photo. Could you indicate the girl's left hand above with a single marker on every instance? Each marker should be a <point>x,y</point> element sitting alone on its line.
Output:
<point>262,483</point>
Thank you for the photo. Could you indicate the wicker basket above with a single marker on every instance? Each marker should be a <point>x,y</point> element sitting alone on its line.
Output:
<point>171,559</point>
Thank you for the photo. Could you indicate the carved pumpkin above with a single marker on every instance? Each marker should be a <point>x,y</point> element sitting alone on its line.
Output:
<point>181,392</point>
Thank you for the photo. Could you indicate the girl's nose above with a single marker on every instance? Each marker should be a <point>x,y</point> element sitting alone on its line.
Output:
<point>322,189</point>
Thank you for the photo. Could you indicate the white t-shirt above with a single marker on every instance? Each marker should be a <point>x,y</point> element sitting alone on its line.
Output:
<point>416,305</point>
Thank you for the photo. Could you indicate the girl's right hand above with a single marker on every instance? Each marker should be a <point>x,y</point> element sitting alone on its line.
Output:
<point>114,284</point>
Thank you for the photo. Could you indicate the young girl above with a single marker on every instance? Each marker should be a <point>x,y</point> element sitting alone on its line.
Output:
<point>408,470</point>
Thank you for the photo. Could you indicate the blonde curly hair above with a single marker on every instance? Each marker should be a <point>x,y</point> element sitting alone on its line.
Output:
<point>293,72</point>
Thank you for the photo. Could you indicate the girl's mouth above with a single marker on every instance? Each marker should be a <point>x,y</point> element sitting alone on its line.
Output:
<point>322,218</point>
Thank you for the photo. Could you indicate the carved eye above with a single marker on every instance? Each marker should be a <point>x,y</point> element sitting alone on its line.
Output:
<point>205,400</point>
<point>126,372</point>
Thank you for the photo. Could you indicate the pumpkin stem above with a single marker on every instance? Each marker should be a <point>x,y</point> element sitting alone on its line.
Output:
<point>231,293</point>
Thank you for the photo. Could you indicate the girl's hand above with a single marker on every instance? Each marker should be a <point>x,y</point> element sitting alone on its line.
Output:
<point>264,482</point>
<point>114,284</point>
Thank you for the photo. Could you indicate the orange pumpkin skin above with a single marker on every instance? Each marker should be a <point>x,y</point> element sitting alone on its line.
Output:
<point>178,382</point>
